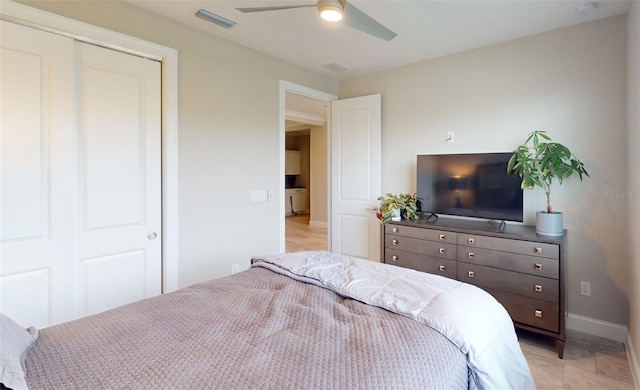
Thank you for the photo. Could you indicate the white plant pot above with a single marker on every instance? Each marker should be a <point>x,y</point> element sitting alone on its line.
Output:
<point>395,215</point>
<point>549,224</point>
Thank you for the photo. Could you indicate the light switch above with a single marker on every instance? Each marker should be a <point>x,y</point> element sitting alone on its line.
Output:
<point>258,196</point>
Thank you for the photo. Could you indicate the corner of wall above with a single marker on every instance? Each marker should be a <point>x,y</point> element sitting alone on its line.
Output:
<point>633,362</point>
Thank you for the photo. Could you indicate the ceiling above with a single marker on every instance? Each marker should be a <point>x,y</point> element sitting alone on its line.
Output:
<point>426,28</point>
<point>301,111</point>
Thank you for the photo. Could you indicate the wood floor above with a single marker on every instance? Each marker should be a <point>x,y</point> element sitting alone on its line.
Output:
<point>589,362</point>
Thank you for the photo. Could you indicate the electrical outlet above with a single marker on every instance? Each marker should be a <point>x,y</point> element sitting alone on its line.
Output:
<point>235,269</point>
<point>585,289</point>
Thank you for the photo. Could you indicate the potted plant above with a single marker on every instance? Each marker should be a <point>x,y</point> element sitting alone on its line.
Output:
<point>396,207</point>
<point>539,163</point>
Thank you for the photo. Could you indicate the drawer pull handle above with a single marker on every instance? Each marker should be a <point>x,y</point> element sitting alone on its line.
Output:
<point>395,230</point>
<point>441,250</point>
<point>538,250</point>
<point>538,266</point>
<point>442,236</point>
<point>394,242</point>
<point>394,258</point>
<point>471,255</point>
<point>442,268</point>
<point>472,274</point>
<point>472,241</point>
<point>538,288</point>
<point>538,313</point>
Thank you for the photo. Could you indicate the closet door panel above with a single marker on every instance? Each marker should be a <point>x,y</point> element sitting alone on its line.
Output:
<point>36,188</point>
<point>119,208</point>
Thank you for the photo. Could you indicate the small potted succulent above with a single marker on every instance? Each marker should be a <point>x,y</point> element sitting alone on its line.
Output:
<point>539,163</point>
<point>396,207</point>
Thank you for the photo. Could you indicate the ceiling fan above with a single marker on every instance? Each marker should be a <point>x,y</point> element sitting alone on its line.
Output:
<point>334,11</point>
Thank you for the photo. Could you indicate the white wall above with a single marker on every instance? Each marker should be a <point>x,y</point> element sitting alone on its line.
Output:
<point>228,135</point>
<point>570,82</point>
<point>633,201</point>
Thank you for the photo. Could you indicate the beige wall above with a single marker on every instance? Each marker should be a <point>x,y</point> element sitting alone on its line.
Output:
<point>319,179</point>
<point>228,135</point>
<point>570,82</point>
<point>633,145</point>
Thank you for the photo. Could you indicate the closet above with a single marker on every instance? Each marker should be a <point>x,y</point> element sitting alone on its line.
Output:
<point>80,177</point>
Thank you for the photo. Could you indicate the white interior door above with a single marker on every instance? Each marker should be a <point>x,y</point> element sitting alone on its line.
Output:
<point>355,176</point>
<point>80,177</point>
<point>119,202</point>
<point>36,195</point>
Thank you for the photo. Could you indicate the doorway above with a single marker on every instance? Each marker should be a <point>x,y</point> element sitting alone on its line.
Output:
<point>305,154</point>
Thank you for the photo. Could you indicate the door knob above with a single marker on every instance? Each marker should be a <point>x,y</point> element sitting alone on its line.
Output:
<point>152,236</point>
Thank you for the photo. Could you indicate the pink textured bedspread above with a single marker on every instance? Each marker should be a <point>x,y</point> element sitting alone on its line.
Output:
<point>253,330</point>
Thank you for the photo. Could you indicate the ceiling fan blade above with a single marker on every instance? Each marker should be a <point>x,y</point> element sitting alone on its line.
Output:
<point>274,8</point>
<point>359,20</point>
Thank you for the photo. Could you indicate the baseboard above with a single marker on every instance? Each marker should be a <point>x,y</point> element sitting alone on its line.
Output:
<point>318,224</point>
<point>633,362</point>
<point>592,326</point>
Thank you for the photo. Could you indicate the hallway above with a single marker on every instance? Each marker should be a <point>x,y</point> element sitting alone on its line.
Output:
<point>300,236</point>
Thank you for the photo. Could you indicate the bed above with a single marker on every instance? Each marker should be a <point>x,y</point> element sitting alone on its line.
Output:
<point>292,321</point>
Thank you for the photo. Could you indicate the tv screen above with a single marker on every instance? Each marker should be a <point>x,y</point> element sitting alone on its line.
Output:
<point>469,185</point>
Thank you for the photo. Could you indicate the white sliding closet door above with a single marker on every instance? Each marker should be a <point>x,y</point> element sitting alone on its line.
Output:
<point>36,191</point>
<point>80,177</point>
<point>119,203</point>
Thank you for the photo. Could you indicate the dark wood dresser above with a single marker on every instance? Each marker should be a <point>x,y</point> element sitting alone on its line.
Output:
<point>524,271</point>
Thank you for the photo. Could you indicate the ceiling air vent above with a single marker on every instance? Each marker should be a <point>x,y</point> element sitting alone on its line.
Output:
<point>335,67</point>
<point>216,19</point>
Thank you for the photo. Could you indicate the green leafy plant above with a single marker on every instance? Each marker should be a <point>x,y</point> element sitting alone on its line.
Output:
<point>538,163</point>
<point>406,204</point>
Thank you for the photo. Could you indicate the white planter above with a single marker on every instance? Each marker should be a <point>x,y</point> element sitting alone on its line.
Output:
<point>395,215</point>
<point>549,224</point>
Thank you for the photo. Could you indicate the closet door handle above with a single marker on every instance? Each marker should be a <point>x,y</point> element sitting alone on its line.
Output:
<point>152,236</point>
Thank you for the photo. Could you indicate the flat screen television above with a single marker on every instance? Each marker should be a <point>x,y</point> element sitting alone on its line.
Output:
<point>469,185</point>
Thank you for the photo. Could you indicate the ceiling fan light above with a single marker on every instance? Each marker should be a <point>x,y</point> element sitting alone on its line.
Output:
<point>331,13</point>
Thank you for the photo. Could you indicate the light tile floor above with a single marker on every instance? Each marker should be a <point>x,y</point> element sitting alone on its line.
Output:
<point>300,236</point>
<point>589,362</point>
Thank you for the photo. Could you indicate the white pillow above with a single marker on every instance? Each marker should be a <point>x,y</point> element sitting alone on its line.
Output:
<point>15,341</point>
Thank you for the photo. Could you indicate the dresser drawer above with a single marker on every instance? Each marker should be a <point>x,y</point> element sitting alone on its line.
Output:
<point>424,234</point>
<point>539,266</point>
<point>435,249</point>
<point>432,265</point>
<point>512,282</point>
<point>532,248</point>
<point>529,311</point>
